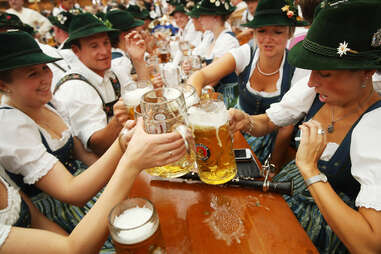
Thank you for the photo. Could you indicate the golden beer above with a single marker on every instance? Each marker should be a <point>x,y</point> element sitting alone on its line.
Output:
<point>164,111</point>
<point>164,57</point>
<point>215,159</point>
<point>135,228</point>
<point>131,99</point>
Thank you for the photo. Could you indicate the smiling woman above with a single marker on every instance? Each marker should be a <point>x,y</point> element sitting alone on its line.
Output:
<point>336,172</point>
<point>264,75</point>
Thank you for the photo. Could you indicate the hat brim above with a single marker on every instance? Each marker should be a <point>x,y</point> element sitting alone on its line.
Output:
<point>206,11</point>
<point>272,20</point>
<point>302,58</point>
<point>137,23</point>
<point>86,33</point>
<point>27,60</point>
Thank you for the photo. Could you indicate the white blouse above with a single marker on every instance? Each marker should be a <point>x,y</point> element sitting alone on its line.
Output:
<point>242,59</point>
<point>223,44</point>
<point>365,150</point>
<point>10,214</point>
<point>21,148</point>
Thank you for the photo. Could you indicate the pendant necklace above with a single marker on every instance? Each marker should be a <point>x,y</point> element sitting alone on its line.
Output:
<point>331,126</point>
<point>264,73</point>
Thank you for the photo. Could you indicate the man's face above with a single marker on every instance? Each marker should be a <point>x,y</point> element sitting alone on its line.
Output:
<point>16,4</point>
<point>95,52</point>
<point>181,19</point>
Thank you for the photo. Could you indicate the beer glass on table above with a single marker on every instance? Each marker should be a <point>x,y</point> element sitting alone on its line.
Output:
<point>164,111</point>
<point>135,229</point>
<point>132,93</point>
<point>210,123</point>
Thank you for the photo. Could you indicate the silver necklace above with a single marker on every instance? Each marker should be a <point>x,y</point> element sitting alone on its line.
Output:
<point>331,126</point>
<point>264,73</point>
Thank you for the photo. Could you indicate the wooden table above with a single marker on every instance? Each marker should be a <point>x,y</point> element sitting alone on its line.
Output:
<point>199,218</point>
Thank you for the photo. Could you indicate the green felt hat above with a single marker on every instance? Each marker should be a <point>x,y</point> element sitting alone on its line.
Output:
<point>138,13</point>
<point>213,7</point>
<point>10,21</point>
<point>344,35</point>
<point>123,20</point>
<point>85,25</point>
<point>62,20</point>
<point>19,49</point>
<point>178,8</point>
<point>276,13</point>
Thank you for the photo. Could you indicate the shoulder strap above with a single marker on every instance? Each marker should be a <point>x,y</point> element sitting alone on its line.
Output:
<point>115,55</point>
<point>231,33</point>
<point>76,76</point>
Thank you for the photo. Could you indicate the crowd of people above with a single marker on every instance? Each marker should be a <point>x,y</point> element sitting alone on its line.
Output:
<point>303,89</point>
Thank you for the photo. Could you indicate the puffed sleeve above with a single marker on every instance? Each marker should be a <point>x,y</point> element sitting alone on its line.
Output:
<point>21,148</point>
<point>365,154</point>
<point>4,232</point>
<point>226,43</point>
<point>241,57</point>
<point>294,104</point>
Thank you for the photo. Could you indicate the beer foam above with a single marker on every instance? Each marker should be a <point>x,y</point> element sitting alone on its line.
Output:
<point>212,114</point>
<point>133,97</point>
<point>135,220</point>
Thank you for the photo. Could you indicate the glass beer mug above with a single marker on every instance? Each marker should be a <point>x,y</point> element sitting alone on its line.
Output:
<point>210,123</point>
<point>164,111</point>
<point>132,93</point>
<point>134,228</point>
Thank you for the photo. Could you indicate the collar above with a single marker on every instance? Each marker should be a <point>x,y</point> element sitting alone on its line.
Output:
<point>93,77</point>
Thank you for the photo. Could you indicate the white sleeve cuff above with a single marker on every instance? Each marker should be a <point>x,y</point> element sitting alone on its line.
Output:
<point>4,232</point>
<point>369,197</point>
<point>44,165</point>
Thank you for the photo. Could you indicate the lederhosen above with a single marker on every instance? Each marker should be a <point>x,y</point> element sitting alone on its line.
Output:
<point>227,86</point>
<point>107,107</point>
<point>254,104</point>
<point>338,171</point>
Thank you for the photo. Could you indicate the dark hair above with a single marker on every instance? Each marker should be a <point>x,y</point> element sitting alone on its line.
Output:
<point>6,76</point>
<point>308,9</point>
<point>114,39</point>
<point>76,42</point>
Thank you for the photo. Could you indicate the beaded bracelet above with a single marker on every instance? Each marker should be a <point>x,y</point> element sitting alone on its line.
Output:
<point>250,129</point>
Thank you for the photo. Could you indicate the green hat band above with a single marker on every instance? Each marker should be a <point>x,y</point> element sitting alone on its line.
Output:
<point>19,53</point>
<point>340,52</point>
<point>83,28</point>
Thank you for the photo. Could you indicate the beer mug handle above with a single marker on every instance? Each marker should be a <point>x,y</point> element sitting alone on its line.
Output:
<point>182,130</point>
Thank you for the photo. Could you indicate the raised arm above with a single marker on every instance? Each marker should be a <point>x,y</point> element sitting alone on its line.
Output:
<point>144,151</point>
<point>359,230</point>
<point>213,72</point>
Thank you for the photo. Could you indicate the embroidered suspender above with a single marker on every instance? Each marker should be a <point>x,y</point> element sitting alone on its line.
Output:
<point>107,107</point>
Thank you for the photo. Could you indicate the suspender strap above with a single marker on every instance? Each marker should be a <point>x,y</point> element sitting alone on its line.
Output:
<point>107,107</point>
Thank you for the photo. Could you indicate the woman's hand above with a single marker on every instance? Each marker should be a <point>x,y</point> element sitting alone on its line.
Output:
<point>135,45</point>
<point>312,144</point>
<point>126,134</point>
<point>238,120</point>
<point>121,112</point>
<point>152,150</point>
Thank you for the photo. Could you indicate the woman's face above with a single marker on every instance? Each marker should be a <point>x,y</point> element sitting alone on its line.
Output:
<point>338,87</point>
<point>208,22</point>
<point>30,85</point>
<point>272,40</point>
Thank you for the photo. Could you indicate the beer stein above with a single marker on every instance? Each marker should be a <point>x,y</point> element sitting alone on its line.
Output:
<point>164,111</point>
<point>134,227</point>
<point>214,147</point>
<point>171,75</point>
<point>132,93</point>
<point>190,95</point>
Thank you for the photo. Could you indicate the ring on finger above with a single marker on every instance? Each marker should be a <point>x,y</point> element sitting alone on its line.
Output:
<point>320,132</point>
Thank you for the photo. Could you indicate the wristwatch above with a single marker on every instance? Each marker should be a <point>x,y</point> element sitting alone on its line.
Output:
<point>318,178</point>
